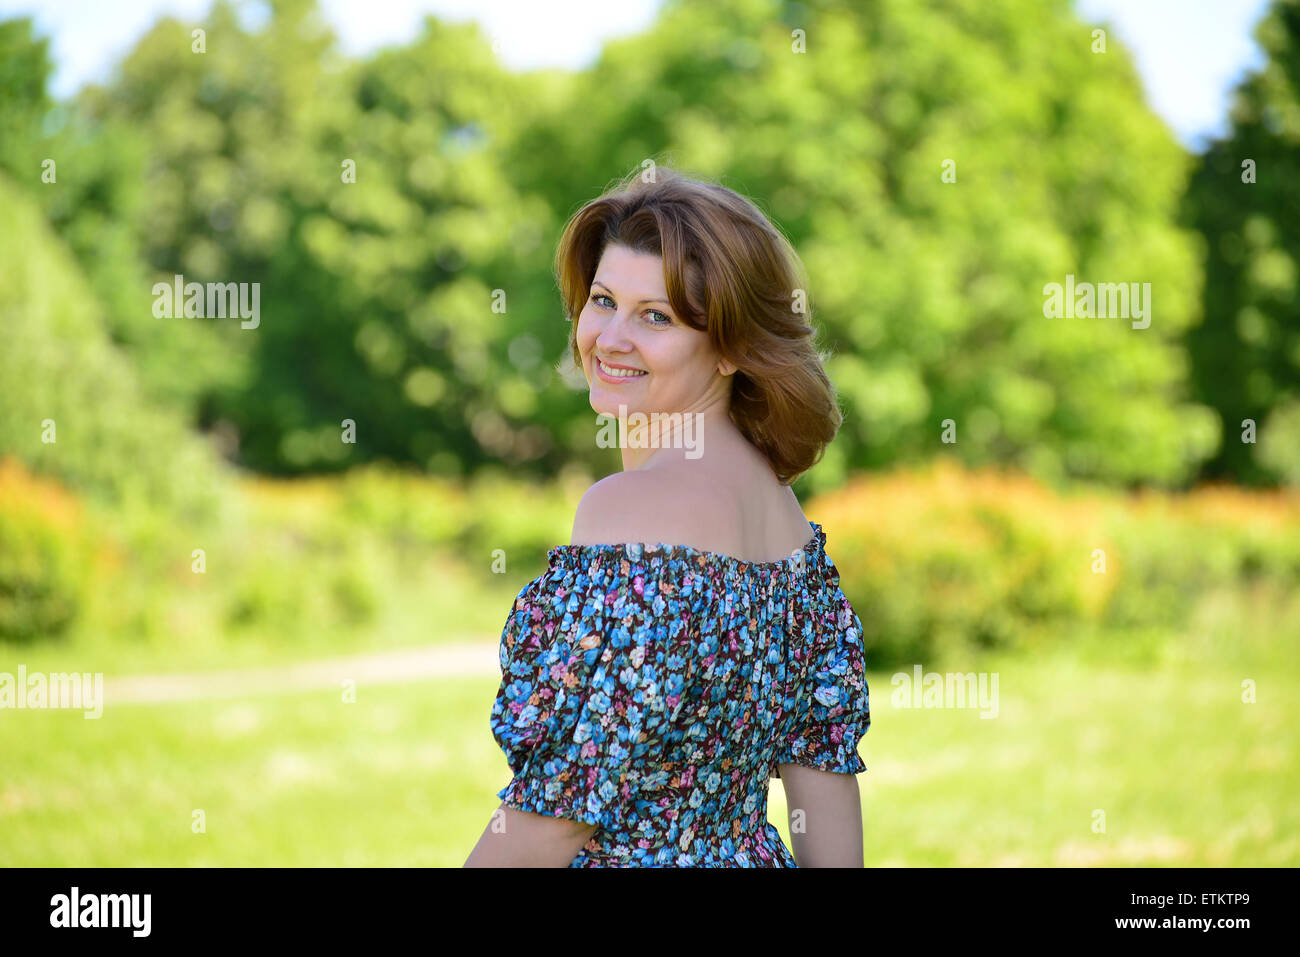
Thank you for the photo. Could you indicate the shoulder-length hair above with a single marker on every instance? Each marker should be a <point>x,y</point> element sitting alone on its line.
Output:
<point>728,272</point>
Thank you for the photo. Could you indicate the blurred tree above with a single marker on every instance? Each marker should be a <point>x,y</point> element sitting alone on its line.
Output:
<point>24,70</point>
<point>400,215</point>
<point>71,406</point>
<point>931,291</point>
<point>87,176</point>
<point>364,201</point>
<point>1245,199</point>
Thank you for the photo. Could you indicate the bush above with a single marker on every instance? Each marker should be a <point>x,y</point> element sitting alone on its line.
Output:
<point>943,560</point>
<point>44,556</point>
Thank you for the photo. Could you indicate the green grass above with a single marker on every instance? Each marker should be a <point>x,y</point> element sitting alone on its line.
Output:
<point>1185,773</point>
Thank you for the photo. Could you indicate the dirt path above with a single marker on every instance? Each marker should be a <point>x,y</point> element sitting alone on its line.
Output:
<point>468,659</point>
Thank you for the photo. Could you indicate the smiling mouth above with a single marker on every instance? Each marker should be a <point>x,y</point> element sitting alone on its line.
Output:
<point>613,373</point>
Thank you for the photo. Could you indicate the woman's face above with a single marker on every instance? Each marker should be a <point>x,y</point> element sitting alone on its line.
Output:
<point>628,322</point>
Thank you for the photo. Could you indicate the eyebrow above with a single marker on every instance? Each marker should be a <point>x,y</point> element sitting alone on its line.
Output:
<point>642,302</point>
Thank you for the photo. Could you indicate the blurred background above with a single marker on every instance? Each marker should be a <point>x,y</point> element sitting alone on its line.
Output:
<point>280,545</point>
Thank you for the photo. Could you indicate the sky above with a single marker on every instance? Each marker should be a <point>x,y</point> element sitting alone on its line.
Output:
<point>1190,53</point>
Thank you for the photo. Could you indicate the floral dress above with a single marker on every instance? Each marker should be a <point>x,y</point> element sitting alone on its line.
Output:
<point>652,691</point>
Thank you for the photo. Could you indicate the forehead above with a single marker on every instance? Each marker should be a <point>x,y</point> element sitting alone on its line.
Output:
<point>644,271</point>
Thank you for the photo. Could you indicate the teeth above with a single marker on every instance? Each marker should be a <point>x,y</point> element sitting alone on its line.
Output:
<point>619,373</point>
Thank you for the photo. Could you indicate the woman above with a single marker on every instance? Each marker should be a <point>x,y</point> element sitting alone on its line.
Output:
<point>692,641</point>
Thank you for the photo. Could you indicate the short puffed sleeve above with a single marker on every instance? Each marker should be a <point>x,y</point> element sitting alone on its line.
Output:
<point>581,702</point>
<point>835,709</point>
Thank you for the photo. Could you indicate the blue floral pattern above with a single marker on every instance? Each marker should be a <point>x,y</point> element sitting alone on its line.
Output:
<point>652,691</point>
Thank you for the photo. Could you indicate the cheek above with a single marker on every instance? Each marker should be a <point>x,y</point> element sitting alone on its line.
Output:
<point>590,323</point>
<point>586,332</point>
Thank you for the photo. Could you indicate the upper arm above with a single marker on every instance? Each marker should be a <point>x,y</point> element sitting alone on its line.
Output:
<point>578,704</point>
<point>805,785</point>
<point>826,737</point>
<point>515,838</point>
<point>830,811</point>
<point>822,795</point>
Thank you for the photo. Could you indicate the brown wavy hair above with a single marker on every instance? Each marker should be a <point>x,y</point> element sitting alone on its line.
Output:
<point>728,272</point>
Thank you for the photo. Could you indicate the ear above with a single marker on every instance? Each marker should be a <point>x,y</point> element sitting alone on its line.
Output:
<point>725,367</point>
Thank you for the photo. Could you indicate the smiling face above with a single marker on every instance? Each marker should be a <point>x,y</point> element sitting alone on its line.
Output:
<point>628,322</point>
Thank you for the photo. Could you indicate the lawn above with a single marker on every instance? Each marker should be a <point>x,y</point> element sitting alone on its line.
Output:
<point>1184,772</point>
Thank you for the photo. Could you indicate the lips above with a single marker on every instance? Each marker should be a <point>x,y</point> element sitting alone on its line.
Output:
<point>615,365</point>
<point>605,372</point>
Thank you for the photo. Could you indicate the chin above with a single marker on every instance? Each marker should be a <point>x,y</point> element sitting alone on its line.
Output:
<point>602,402</point>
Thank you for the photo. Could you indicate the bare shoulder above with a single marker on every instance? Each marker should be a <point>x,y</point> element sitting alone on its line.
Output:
<point>648,506</point>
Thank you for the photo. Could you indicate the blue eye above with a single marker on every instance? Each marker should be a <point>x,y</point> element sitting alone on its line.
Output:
<point>667,320</point>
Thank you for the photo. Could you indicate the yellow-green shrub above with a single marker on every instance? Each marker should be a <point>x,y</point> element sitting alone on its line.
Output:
<point>45,556</point>
<point>942,558</point>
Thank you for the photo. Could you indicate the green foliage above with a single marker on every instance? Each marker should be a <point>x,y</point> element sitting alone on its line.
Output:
<point>24,71</point>
<point>932,292</point>
<point>377,292</point>
<point>87,176</point>
<point>418,300</point>
<point>1246,353</point>
<point>72,407</point>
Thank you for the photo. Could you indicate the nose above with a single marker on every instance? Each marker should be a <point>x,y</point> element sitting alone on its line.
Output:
<point>613,336</point>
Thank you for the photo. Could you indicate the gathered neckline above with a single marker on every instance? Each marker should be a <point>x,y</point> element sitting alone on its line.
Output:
<point>636,550</point>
